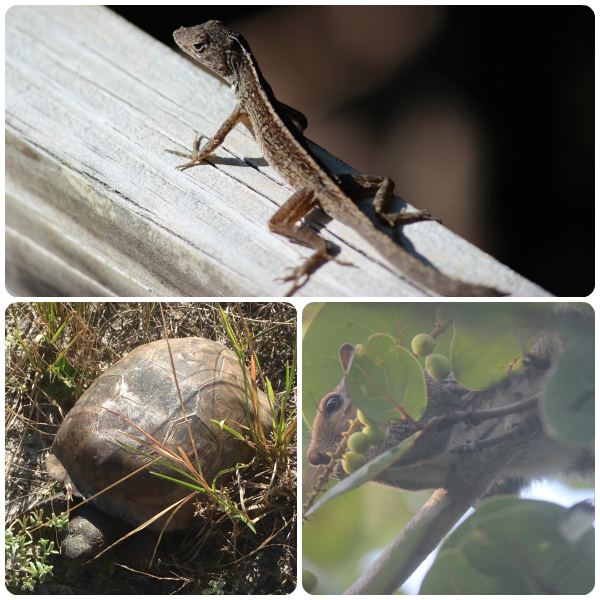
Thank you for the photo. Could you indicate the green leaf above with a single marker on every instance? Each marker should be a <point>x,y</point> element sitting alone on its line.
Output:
<point>384,377</point>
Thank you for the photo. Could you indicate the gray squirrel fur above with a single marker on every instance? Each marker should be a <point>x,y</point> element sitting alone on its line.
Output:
<point>427,465</point>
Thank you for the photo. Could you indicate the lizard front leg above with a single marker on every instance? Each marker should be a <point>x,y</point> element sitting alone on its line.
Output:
<point>283,223</point>
<point>197,155</point>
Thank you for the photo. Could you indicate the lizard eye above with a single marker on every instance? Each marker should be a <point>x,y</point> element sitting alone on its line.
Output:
<point>332,404</point>
<point>200,46</point>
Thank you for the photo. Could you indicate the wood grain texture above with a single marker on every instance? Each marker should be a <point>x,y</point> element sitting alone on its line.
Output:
<point>95,207</point>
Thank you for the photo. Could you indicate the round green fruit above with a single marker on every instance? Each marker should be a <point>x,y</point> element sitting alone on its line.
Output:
<point>309,581</point>
<point>359,442</point>
<point>438,366</point>
<point>375,434</point>
<point>423,344</point>
<point>352,461</point>
<point>363,418</point>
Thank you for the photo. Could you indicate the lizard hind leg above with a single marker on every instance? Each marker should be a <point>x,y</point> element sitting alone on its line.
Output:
<point>300,275</point>
<point>283,223</point>
<point>359,186</point>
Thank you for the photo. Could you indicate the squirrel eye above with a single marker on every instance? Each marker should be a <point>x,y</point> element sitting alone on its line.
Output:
<point>332,404</point>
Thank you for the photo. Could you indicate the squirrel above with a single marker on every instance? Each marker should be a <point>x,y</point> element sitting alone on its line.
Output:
<point>428,463</point>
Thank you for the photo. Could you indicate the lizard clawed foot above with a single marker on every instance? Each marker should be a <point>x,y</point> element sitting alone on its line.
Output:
<point>300,275</point>
<point>196,157</point>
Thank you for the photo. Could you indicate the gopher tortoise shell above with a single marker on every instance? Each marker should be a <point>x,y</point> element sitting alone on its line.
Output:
<point>140,387</point>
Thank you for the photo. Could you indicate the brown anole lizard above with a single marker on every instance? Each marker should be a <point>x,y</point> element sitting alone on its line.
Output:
<point>278,128</point>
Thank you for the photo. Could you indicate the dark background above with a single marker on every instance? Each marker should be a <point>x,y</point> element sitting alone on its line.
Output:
<point>526,75</point>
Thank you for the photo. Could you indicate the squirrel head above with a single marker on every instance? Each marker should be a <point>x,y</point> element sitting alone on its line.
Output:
<point>428,464</point>
<point>335,410</point>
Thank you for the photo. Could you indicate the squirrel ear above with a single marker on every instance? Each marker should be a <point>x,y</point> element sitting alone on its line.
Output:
<point>346,352</point>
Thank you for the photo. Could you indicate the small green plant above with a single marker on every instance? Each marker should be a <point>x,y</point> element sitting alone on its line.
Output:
<point>215,588</point>
<point>26,561</point>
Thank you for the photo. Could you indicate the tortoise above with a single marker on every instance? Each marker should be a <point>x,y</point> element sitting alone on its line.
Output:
<point>86,454</point>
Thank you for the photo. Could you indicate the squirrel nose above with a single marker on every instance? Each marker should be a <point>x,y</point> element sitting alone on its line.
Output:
<point>317,457</point>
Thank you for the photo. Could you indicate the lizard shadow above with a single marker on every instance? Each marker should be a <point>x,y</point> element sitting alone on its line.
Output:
<point>317,219</point>
<point>395,233</point>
